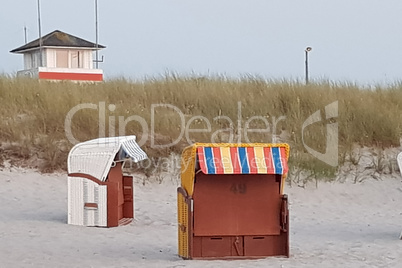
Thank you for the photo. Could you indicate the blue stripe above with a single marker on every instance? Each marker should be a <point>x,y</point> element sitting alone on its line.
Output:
<point>276,155</point>
<point>209,158</point>
<point>243,161</point>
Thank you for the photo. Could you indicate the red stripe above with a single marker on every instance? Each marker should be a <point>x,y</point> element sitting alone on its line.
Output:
<point>218,160</point>
<point>71,76</point>
<point>268,160</point>
<point>251,160</point>
<point>235,160</point>
<point>201,159</point>
<point>284,161</point>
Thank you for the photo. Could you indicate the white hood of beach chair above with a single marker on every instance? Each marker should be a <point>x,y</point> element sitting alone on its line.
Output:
<point>96,157</point>
<point>399,160</point>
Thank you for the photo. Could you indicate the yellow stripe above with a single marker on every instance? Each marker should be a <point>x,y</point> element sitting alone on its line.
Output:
<point>283,182</point>
<point>259,159</point>
<point>226,160</point>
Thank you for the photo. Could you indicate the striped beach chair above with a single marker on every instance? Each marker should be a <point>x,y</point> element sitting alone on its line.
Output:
<point>231,203</point>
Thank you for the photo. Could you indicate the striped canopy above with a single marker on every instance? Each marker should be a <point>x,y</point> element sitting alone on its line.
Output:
<point>242,160</point>
<point>95,157</point>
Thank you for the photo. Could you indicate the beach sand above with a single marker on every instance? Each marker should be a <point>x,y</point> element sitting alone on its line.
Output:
<point>332,225</point>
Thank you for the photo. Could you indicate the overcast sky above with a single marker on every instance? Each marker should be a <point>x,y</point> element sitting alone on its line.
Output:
<point>352,40</point>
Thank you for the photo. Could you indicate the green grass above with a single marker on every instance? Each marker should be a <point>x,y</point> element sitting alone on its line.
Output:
<point>33,113</point>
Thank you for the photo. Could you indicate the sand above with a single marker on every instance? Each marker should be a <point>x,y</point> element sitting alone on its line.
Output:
<point>334,225</point>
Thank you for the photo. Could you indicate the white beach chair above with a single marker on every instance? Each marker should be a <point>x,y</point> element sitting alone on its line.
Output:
<point>99,194</point>
<point>399,160</point>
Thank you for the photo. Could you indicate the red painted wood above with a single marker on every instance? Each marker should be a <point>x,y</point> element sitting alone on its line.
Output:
<point>236,205</point>
<point>116,176</point>
<point>112,205</point>
<point>128,207</point>
<point>71,76</point>
<point>87,176</point>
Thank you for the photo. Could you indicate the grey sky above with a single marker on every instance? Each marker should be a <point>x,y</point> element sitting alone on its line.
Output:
<point>352,40</point>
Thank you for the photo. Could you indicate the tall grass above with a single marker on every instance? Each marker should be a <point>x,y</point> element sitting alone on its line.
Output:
<point>33,113</point>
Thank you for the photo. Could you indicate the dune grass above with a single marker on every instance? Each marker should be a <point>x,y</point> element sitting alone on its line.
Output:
<point>33,116</point>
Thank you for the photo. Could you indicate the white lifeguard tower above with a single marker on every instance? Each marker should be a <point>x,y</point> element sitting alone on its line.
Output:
<point>60,56</point>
